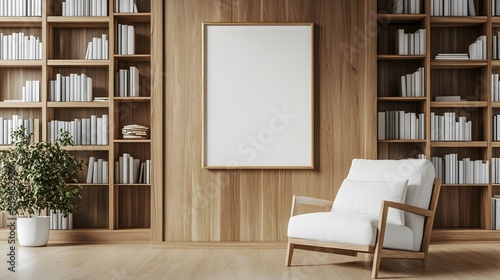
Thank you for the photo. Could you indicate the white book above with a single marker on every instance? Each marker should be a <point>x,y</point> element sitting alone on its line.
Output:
<point>89,89</point>
<point>417,42</point>
<point>123,74</point>
<point>95,48</point>
<point>89,54</point>
<point>84,132</point>
<point>125,168</point>
<point>78,88</point>
<point>83,88</point>
<point>104,46</point>
<point>473,50</point>
<point>67,91</point>
<point>134,81</point>
<point>104,8</point>
<point>397,7</point>
<point>472,8</point>
<point>99,171</point>
<point>411,44</point>
<point>93,130</point>
<point>2,131</point>
<point>459,8</point>
<point>131,40</point>
<point>402,88</point>
<point>381,126</point>
<point>131,175</point>
<point>95,173</point>
<point>124,39</point>
<point>497,8</point>
<point>99,131</point>
<point>105,129</point>
<point>105,172</point>
<point>148,171</point>
<point>495,47</point>
<point>70,221</point>
<point>409,82</point>
<point>124,6</point>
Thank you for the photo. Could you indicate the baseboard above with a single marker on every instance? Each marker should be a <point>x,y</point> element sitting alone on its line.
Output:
<point>218,245</point>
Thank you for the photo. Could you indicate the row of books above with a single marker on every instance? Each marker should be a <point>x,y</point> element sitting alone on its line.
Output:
<point>449,127</point>
<point>126,39</point>
<point>495,170</point>
<point>477,50</point>
<point>452,170</point>
<point>59,222</point>
<point>406,7</point>
<point>8,125</point>
<point>496,128</point>
<point>98,48</point>
<point>448,98</point>
<point>19,46</point>
<point>129,170</point>
<point>86,131</point>
<point>495,7</point>
<point>413,85</point>
<point>127,82</point>
<point>30,92</point>
<point>410,43</point>
<point>97,172</point>
<point>400,125</point>
<point>82,8</point>
<point>495,87</point>
<point>21,8</point>
<point>71,88</point>
<point>496,46</point>
<point>126,6</point>
<point>452,8</point>
<point>495,212</point>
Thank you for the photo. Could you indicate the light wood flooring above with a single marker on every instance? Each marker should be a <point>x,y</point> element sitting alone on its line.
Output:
<point>140,261</point>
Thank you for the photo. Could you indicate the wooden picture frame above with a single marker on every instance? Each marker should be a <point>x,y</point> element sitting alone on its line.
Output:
<point>258,96</point>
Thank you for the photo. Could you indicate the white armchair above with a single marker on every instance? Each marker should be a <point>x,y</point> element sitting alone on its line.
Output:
<point>384,207</point>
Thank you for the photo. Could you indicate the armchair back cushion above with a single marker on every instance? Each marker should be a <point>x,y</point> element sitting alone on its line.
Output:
<point>365,197</point>
<point>420,175</point>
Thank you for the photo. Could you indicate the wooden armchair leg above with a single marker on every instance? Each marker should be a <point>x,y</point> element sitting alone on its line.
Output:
<point>376,264</point>
<point>289,254</point>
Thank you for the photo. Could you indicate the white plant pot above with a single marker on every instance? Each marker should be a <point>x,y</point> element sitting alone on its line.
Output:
<point>33,231</point>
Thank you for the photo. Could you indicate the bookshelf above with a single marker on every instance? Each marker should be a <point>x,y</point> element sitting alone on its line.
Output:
<point>115,208</point>
<point>464,210</point>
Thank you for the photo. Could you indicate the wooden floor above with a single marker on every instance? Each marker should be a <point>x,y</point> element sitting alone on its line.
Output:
<point>139,261</point>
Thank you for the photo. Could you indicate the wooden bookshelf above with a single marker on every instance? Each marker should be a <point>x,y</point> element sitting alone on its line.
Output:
<point>464,211</point>
<point>112,206</point>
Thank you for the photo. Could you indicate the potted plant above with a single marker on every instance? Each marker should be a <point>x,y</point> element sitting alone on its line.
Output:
<point>34,177</point>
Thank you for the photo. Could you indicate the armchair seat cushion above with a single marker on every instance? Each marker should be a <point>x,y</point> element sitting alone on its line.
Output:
<point>348,228</point>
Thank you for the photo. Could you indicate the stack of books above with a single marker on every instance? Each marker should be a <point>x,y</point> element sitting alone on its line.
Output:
<point>448,128</point>
<point>406,7</point>
<point>126,6</point>
<point>410,43</point>
<point>83,8</point>
<point>465,171</point>
<point>135,131</point>
<point>127,82</point>
<point>18,46</point>
<point>477,50</point>
<point>31,92</point>
<point>97,172</point>
<point>454,8</point>
<point>448,98</point>
<point>98,48</point>
<point>21,8</point>
<point>126,39</point>
<point>412,85</point>
<point>452,56</point>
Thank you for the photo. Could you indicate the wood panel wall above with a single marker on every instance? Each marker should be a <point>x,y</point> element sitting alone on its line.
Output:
<point>254,205</point>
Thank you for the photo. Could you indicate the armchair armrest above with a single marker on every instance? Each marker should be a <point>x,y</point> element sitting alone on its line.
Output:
<point>309,201</point>
<point>408,208</point>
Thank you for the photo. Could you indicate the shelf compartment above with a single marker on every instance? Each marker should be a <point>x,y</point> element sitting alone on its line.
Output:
<point>131,113</point>
<point>132,17</point>
<point>134,204</point>
<point>400,18</point>
<point>142,39</point>
<point>132,99</point>
<point>389,74</point>
<point>94,208</point>
<point>20,22</point>
<point>462,64</point>
<point>469,84</point>
<point>21,105</point>
<point>133,57</point>
<point>84,156</point>
<point>454,40</point>
<point>465,185</point>
<point>99,75</point>
<point>71,43</point>
<point>144,70</point>
<point>386,37</point>
<point>60,21</point>
<point>142,7</point>
<point>459,104</point>
<point>12,81</point>
<point>400,149</point>
<point>21,63</point>
<point>461,207</point>
<point>131,141</point>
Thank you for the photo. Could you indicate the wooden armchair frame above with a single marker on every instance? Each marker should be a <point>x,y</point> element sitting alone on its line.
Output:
<point>378,250</point>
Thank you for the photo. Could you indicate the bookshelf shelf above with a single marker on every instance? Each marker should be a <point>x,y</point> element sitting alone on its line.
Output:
<point>134,57</point>
<point>134,185</point>
<point>458,21</point>
<point>459,104</point>
<point>21,63</point>
<point>132,99</point>
<point>78,104</point>
<point>399,57</point>
<point>77,63</point>
<point>29,22</point>
<point>80,22</point>
<point>88,148</point>
<point>20,105</point>
<point>132,141</point>
<point>130,17</point>
<point>459,144</point>
<point>464,211</point>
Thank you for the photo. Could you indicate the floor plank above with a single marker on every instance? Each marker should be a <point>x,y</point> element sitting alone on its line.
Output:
<point>140,261</point>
